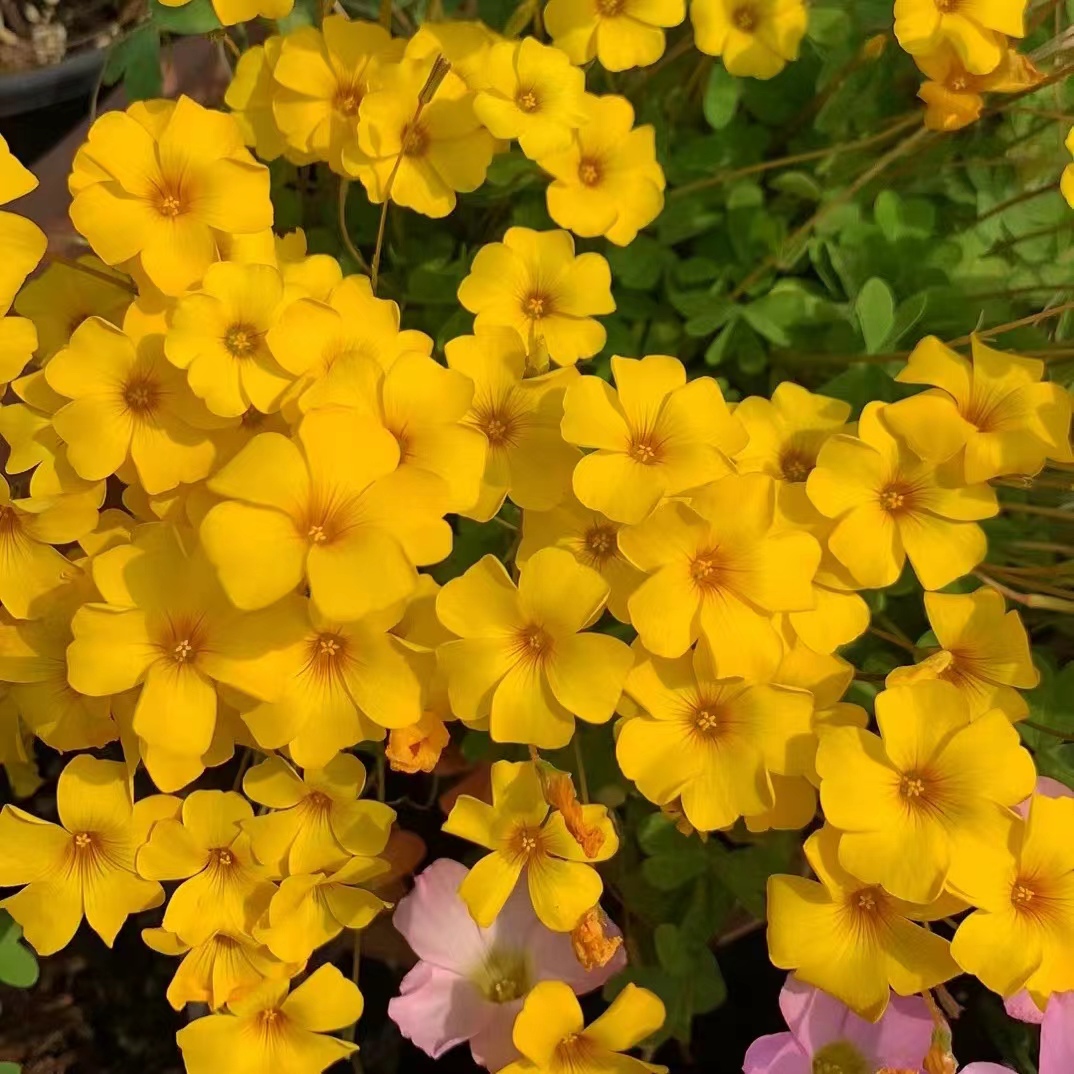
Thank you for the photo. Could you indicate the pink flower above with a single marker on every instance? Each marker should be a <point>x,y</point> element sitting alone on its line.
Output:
<point>470,982</point>
<point>1056,1040</point>
<point>822,1028</point>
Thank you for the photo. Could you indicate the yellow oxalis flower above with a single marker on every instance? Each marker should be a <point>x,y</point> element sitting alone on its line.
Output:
<point>718,571</point>
<point>983,651</point>
<point>754,38</point>
<point>316,822</point>
<point>271,1030</point>
<point>592,539</point>
<point>954,96</point>
<point>420,160</point>
<point>59,299</point>
<point>519,418</point>
<point>224,889</point>
<point>1019,935</point>
<point>464,44</point>
<point>533,94</point>
<point>930,798</point>
<point>328,506</point>
<point>974,28</point>
<point>16,752</point>
<point>83,866</point>
<point>620,33</point>
<point>417,747</point>
<point>711,743</point>
<point>251,95</point>
<point>216,971</point>
<point>322,78</point>
<point>218,334</point>
<point>852,939</point>
<point>1067,181</point>
<point>30,568</point>
<point>523,657</point>
<point>655,435</point>
<point>422,405</point>
<point>232,12</point>
<point>166,625</point>
<point>891,504</point>
<point>346,682</point>
<point>128,404</point>
<point>525,836</point>
<point>995,414</point>
<point>534,283</point>
<point>552,1036</point>
<point>171,181</point>
<point>33,660</point>
<point>314,334</point>
<point>607,181</point>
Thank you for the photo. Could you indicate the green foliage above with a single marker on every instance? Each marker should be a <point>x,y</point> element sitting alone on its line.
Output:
<point>18,964</point>
<point>135,60</point>
<point>196,17</point>
<point>1051,705</point>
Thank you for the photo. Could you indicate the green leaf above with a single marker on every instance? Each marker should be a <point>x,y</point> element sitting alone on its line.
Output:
<point>672,950</point>
<point>10,1068</point>
<point>18,964</point>
<point>304,13</point>
<point>722,94</point>
<point>136,60</point>
<point>875,308</point>
<point>196,17</point>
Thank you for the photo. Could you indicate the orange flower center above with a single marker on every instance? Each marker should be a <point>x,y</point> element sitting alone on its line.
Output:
<point>499,421</point>
<point>415,140</point>
<point>590,171</point>
<point>610,8</point>
<point>948,6</point>
<point>348,99</point>
<point>600,542</point>
<point>182,651</point>
<point>533,644</point>
<point>325,654</point>
<point>222,857</point>
<point>745,18</point>
<point>83,840</point>
<point>141,394</point>
<point>1039,899</point>
<point>705,570</point>
<point>912,786</point>
<point>240,340</point>
<point>181,640</point>
<point>896,498</point>
<point>170,204</point>
<point>645,449</point>
<point>526,842</point>
<point>795,465</point>
<point>527,100</point>
<point>1022,895</point>
<point>537,306</point>
<point>707,720</point>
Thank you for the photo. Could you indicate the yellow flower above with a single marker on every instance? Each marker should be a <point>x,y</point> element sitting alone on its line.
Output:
<point>422,405</point>
<point>852,939</point>
<point>316,822</point>
<point>755,38</point>
<point>223,889</point>
<point>620,33</point>
<point>327,507</point>
<point>423,159</point>
<point>1018,937</point>
<point>711,743</point>
<point>975,30</point>
<point>30,568</point>
<point>607,181</point>
<point>271,1030</point>
<point>84,868</point>
<point>23,242</point>
<point>251,95</point>
<point>983,650</point>
<point>232,12</point>
<point>655,435</point>
<point>129,405</point>
<point>954,96</point>
<point>523,835</point>
<point>33,659</point>
<point>218,970</point>
<point>322,78</point>
<point>172,181</point>
<point>315,333</point>
<point>924,803</point>
<point>417,747</point>
<point>1067,181</point>
<point>16,752</point>
<point>519,418</point>
<point>218,336</point>
<point>995,414</point>
<point>718,571</point>
<point>533,94</point>
<point>523,657</point>
<point>312,909</point>
<point>346,682</point>
<point>59,299</point>
<point>552,1036</point>
<point>534,283</point>
<point>164,624</point>
<point>592,539</point>
<point>890,504</point>
<point>465,45</point>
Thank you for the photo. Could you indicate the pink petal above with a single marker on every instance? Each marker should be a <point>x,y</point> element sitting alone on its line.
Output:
<point>437,1009</point>
<point>493,1047</point>
<point>1022,1007</point>
<point>554,959</point>
<point>1047,788</point>
<point>778,1053</point>
<point>1057,1035</point>
<point>435,920</point>
<point>900,1039</point>
<point>986,1068</point>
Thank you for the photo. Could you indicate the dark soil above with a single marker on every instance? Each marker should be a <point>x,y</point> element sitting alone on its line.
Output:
<point>59,30</point>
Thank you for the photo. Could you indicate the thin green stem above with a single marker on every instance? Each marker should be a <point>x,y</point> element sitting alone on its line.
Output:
<point>344,233</point>
<point>583,782</point>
